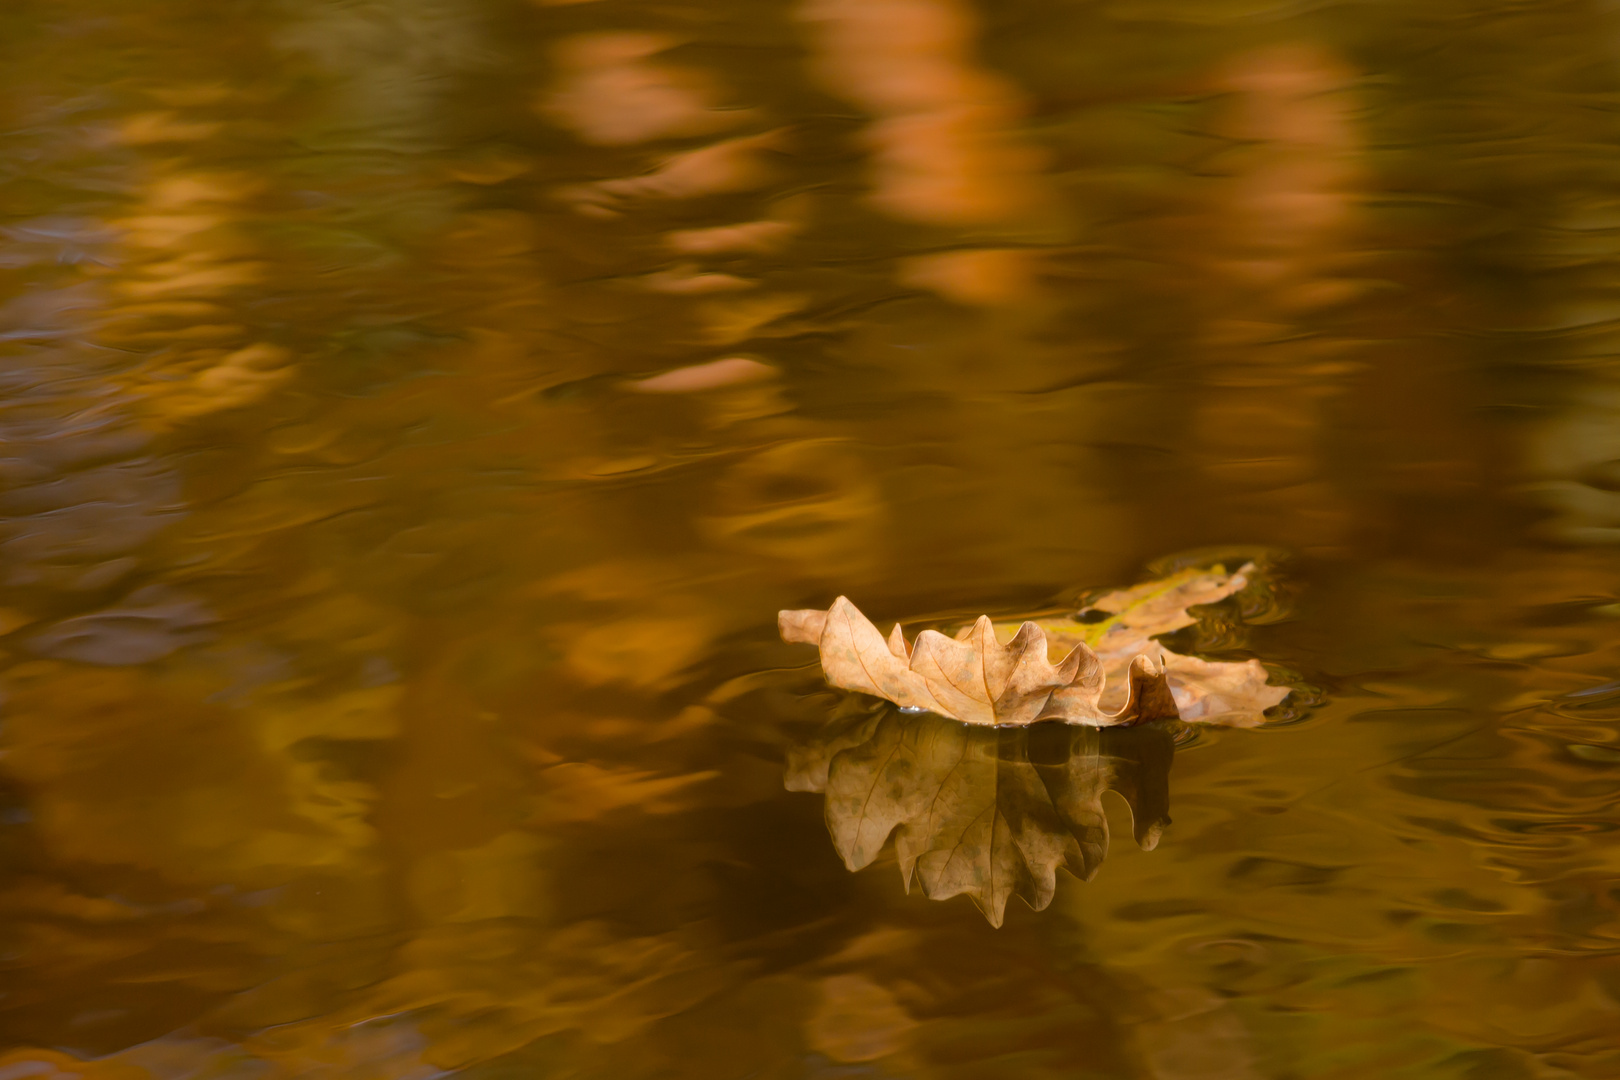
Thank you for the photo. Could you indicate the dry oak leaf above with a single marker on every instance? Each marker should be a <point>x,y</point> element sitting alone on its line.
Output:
<point>1231,694</point>
<point>976,679</point>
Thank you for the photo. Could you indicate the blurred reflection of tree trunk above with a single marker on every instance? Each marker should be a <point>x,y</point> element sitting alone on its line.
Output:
<point>1274,253</point>
<point>991,420</point>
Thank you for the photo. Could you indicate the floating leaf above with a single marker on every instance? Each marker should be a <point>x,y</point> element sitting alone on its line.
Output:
<point>994,674</point>
<point>1206,691</point>
<point>977,680</point>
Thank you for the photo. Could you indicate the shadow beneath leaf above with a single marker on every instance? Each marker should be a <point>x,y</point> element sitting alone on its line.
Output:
<point>991,812</point>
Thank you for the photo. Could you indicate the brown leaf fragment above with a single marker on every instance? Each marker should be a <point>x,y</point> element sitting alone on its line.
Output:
<point>975,678</point>
<point>1232,694</point>
<point>1150,697</point>
<point>897,643</point>
<point>1158,607</point>
<point>851,644</point>
<point>1214,692</point>
<point>1113,672</point>
<point>804,626</point>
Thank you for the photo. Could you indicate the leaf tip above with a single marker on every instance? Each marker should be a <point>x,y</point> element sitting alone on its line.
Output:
<point>1080,666</point>
<point>897,643</point>
<point>803,626</point>
<point>1150,697</point>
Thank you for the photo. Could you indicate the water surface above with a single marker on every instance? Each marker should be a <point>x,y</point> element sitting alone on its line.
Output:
<point>388,593</point>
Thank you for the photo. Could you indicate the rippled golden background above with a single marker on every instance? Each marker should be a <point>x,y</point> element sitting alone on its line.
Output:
<point>414,412</point>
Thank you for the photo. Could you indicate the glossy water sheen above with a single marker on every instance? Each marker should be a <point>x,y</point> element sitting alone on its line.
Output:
<point>392,685</point>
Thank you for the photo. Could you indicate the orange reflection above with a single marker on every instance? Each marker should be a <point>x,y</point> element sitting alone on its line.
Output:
<point>611,93</point>
<point>184,259</point>
<point>985,277</point>
<point>1276,248</point>
<point>1293,175</point>
<point>943,150</point>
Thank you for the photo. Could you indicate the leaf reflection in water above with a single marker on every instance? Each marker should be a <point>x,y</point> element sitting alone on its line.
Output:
<point>987,812</point>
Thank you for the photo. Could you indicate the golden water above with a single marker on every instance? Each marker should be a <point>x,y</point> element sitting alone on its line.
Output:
<point>391,683</point>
